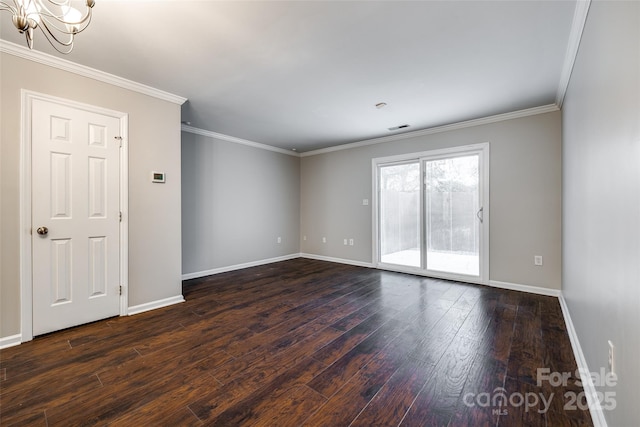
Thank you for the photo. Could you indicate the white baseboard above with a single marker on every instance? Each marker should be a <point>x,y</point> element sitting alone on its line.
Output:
<point>338,260</point>
<point>197,274</point>
<point>597,414</point>
<point>10,341</point>
<point>525,288</point>
<point>137,309</point>
<point>494,283</point>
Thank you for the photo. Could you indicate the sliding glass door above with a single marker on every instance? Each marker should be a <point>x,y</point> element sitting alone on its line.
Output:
<point>432,209</point>
<point>400,214</point>
<point>452,196</point>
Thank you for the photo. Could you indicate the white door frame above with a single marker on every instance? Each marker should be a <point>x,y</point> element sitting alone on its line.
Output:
<point>484,150</point>
<point>26,260</point>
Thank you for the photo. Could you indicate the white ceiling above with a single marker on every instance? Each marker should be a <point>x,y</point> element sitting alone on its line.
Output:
<point>306,75</point>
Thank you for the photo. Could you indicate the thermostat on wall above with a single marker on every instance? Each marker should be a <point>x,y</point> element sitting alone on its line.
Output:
<point>157,177</point>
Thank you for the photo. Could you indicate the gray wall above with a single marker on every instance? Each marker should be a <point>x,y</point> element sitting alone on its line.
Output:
<point>525,196</point>
<point>601,212</point>
<point>237,200</point>
<point>154,144</point>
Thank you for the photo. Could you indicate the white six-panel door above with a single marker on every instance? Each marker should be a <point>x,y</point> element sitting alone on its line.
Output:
<point>75,216</point>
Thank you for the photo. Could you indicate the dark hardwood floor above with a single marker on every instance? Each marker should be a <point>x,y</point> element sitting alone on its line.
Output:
<point>304,342</point>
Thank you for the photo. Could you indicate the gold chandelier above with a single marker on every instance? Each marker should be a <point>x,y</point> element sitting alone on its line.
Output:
<point>58,21</point>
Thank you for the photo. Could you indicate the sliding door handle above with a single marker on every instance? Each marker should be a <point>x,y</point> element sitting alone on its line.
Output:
<point>480,215</point>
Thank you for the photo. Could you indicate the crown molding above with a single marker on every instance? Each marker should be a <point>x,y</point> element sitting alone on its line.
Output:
<point>92,73</point>
<point>439,129</point>
<point>446,128</point>
<point>223,137</point>
<point>575,36</point>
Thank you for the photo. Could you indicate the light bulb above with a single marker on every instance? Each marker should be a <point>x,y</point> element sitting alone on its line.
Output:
<point>72,18</point>
<point>71,14</point>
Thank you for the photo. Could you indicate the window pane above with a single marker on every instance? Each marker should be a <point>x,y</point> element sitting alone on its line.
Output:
<point>400,214</point>
<point>452,201</point>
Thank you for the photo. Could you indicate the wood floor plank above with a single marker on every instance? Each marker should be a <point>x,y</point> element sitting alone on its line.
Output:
<point>30,416</point>
<point>346,403</point>
<point>340,371</point>
<point>301,342</point>
<point>358,316</point>
<point>520,411</point>
<point>22,401</point>
<point>290,408</point>
<point>84,355</point>
<point>117,399</point>
<point>273,358</point>
<point>480,315</point>
<point>274,395</point>
<point>170,409</point>
<point>433,347</point>
<point>437,401</point>
<point>557,353</point>
<point>146,369</point>
<point>348,340</point>
<point>526,354</point>
<point>243,377</point>
<point>83,361</point>
<point>485,379</point>
<point>29,356</point>
<point>297,326</point>
<point>469,298</point>
<point>389,406</point>
<point>498,336</point>
<point>568,403</point>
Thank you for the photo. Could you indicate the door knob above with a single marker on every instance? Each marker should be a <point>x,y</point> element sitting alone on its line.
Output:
<point>42,231</point>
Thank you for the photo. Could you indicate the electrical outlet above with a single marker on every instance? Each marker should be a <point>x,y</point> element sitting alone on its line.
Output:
<point>345,242</point>
<point>612,358</point>
<point>350,242</point>
<point>365,202</point>
<point>279,239</point>
<point>304,237</point>
<point>537,260</point>
<point>324,240</point>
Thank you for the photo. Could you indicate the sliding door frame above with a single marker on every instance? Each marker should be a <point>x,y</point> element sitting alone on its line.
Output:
<point>482,150</point>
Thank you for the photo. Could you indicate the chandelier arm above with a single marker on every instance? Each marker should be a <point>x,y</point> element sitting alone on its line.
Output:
<point>51,35</point>
<point>11,8</point>
<point>85,22</point>
<point>48,35</point>
<point>44,6</point>
<point>62,26</point>
<point>59,3</point>
<point>29,37</point>
<point>45,11</point>
<point>61,20</point>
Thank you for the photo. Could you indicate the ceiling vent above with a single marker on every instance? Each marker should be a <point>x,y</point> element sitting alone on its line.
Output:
<point>399,127</point>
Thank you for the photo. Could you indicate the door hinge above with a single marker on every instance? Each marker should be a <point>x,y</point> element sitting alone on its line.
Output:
<point>120,216</point>
<point>119,139</point>
<point>120,290</point>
